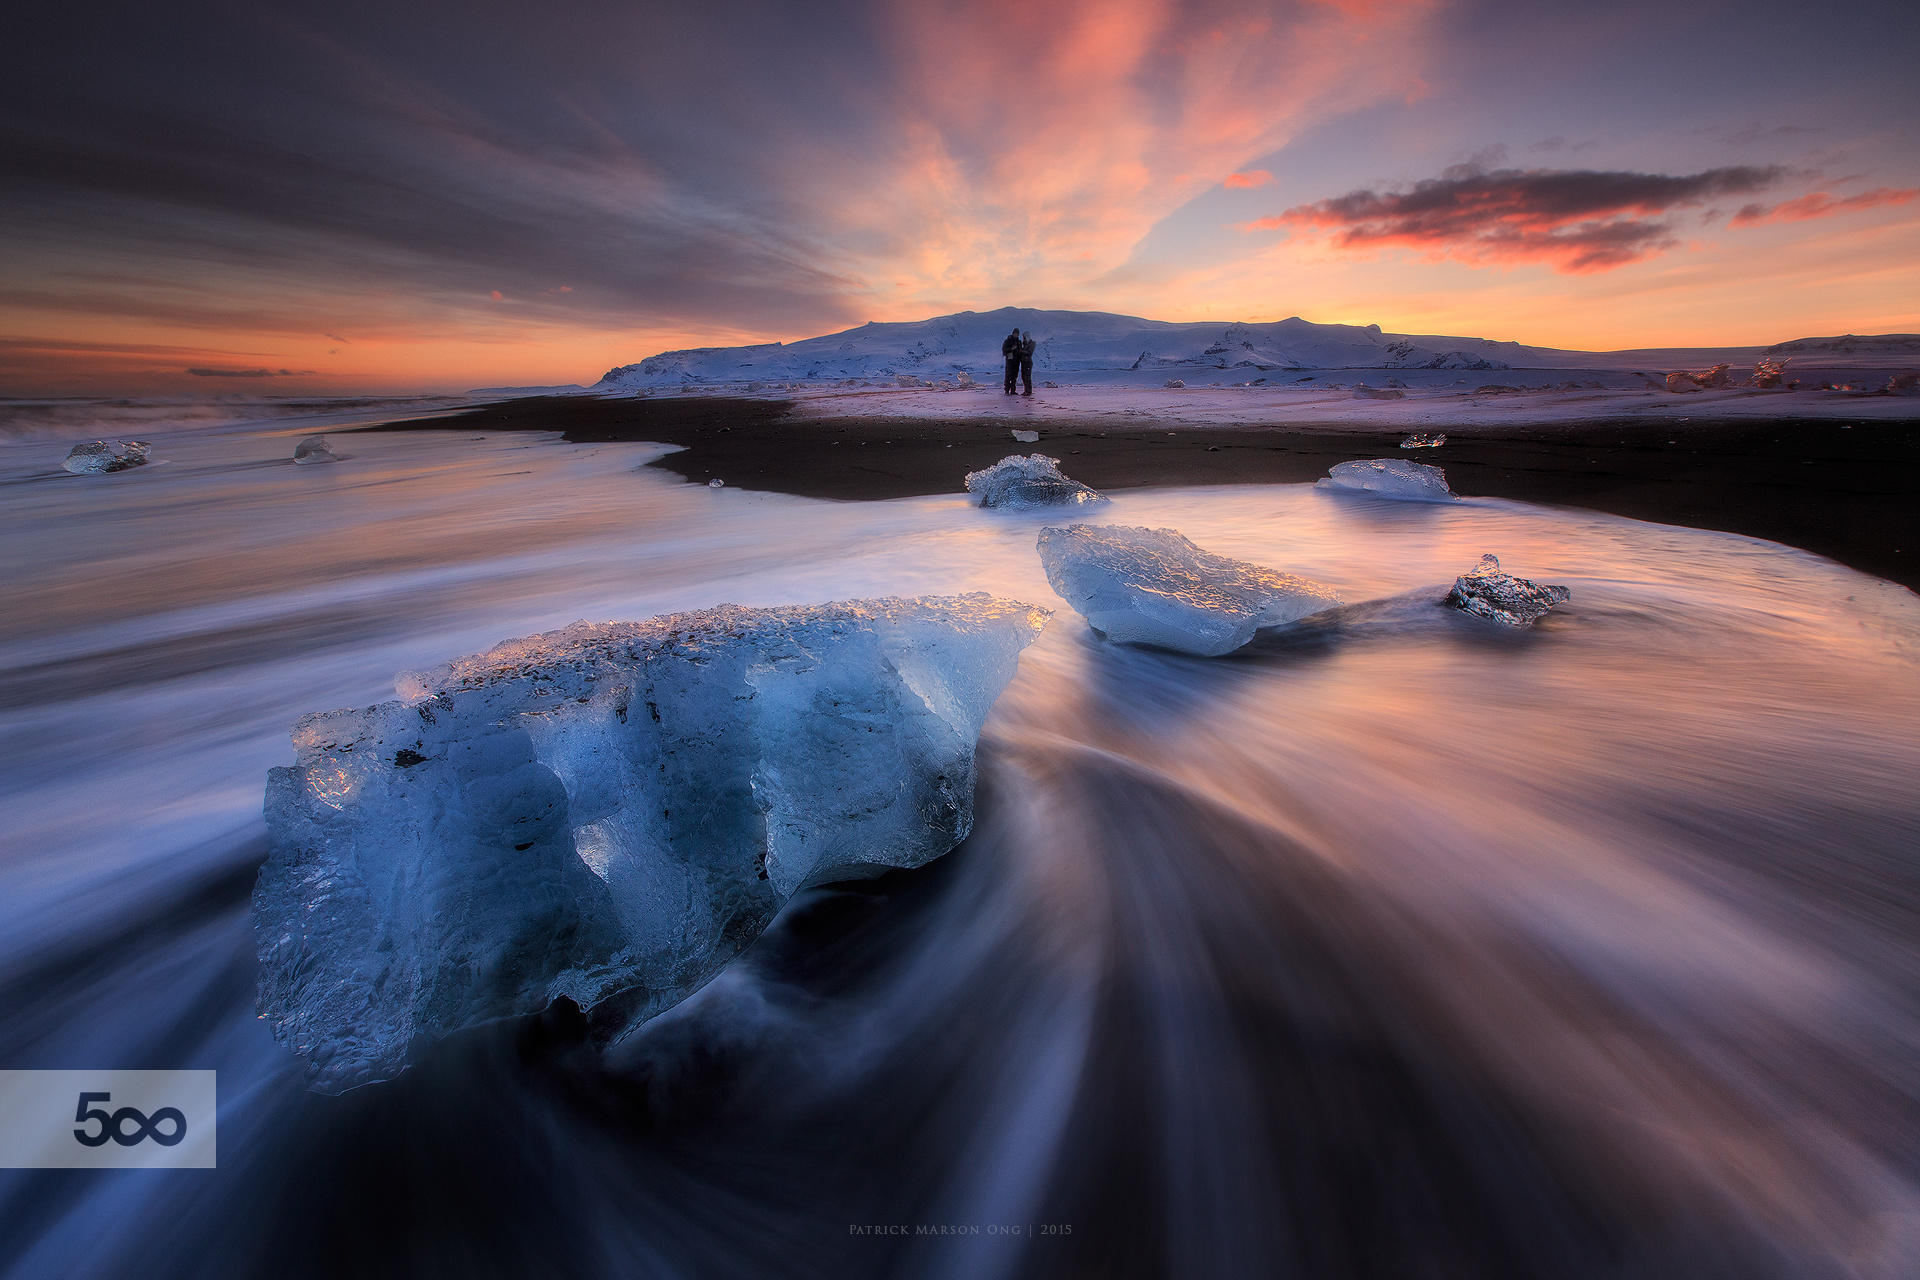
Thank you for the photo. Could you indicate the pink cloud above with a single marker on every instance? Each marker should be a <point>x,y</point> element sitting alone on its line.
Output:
<point>1247,180</point>
<point>1576,221</point>
<point>1821,204</point>
<point>1037,146</point>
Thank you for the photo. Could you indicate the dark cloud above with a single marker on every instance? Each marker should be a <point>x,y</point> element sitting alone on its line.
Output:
<point>250,373</point>
<point>1576,220</point>
<point>290,159</point>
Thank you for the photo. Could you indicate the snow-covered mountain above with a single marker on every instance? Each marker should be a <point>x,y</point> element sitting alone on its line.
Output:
<point>1849,348</point>
<point>1069,342</point>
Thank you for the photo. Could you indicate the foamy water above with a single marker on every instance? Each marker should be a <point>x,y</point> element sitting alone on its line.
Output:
<point>1393,944</point>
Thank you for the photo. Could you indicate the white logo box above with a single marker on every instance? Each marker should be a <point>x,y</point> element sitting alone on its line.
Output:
<point>41,1122</point>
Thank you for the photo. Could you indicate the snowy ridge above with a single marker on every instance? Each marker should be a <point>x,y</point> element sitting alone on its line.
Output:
<point>1848,348</point>
<point>1069,341</point>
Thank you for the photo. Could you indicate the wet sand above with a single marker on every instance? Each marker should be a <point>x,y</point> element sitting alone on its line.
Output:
<point>1848,491</point>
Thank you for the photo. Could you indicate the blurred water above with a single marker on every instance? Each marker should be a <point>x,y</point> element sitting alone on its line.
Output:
<point>1393,945</point>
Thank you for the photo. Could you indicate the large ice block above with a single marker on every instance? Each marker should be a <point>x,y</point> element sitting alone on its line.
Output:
<point>609,809</point>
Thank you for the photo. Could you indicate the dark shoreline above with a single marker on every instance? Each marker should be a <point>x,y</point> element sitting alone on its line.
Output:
<point>1848,491</point>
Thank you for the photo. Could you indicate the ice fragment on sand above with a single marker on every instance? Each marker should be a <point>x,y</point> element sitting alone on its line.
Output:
<point>1486,592</point>
<point>314,449</point>
<point>1418,441</point>
<point>1032,480</point>
<point>716,483</point>
<point>1026,437</point>
<point>1715,379</point>
<point>1391,478</point>
<point>1153,586</point>
<point>1175,383</point>
<point>97,457</point>
<point>609,810</point>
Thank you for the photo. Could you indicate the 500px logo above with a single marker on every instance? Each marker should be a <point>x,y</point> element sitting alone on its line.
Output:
<point>113,1126</point>
<point>107,1119</point>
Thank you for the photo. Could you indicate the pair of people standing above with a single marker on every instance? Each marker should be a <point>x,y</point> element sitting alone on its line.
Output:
<point>1017,349</point>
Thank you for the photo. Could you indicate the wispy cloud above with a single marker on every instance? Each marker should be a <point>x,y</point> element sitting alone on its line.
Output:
<point>1575,220</point>
<point>1248,180</point>
<point>250,373</point>
<point>1822,204</point>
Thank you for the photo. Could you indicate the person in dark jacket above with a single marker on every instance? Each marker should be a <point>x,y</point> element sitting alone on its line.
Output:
<point>1010,352</point>
<point>1027,344</point>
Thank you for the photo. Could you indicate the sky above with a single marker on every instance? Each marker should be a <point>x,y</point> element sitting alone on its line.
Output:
<point>265,198</point>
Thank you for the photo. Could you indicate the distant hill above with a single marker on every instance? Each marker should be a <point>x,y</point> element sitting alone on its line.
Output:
<point>1848,348</point>
<point>1069,341</point>
<point>1072,342</point>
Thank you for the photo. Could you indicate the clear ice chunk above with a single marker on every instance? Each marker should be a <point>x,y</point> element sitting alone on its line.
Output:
<point>1485,592</point>
<point>1032,480</point>
<point>1391,478</point>
<point>608,812</point>
<point>1418,441</point>
<point>1154,587</point>
<point>97,457</point>
<point>314,449</point>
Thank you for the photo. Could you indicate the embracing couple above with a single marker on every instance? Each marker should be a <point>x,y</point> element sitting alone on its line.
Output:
<point>1017,348</point>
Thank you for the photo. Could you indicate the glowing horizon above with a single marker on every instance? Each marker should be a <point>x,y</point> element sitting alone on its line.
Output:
<point>283,203</point>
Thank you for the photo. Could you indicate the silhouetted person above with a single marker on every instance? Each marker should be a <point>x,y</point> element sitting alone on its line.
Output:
<point>1027,344</point>
<point>1010,352</point>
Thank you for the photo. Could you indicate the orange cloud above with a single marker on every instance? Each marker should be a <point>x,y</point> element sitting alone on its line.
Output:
<point>1821,204</point>
<point>1038,145</point>
<point>1248,180</point>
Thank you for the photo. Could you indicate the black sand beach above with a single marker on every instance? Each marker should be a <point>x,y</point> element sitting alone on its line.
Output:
<point>1848,491</point>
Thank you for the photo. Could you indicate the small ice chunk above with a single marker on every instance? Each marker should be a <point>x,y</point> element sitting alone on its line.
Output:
<point>314,449</point>
<point>1174,384</point>
<point>1026,437</point>
<point>97,457</point>
<point>1033,480</point>
<point>1391,478</point>
<point>1418,441</point>
<point>1364,392</point>
<point>1154,587</point>
<point>612,810</point>
<point>1486,592</point>
<point>716,483</point>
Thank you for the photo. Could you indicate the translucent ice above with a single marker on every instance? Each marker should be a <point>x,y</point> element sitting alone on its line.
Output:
<point>1391,478</point>
<point>1418,441</point>
<point>1153,586</point>
<point>610,812</point>
<point>1486,592</point>
<point>314,449</point>
<point>1033,480</point>
<point>1026,437</point>
<point>97,457</point>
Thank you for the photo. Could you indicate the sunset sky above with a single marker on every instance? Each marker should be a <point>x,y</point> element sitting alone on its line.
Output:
<point>269,199</point>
